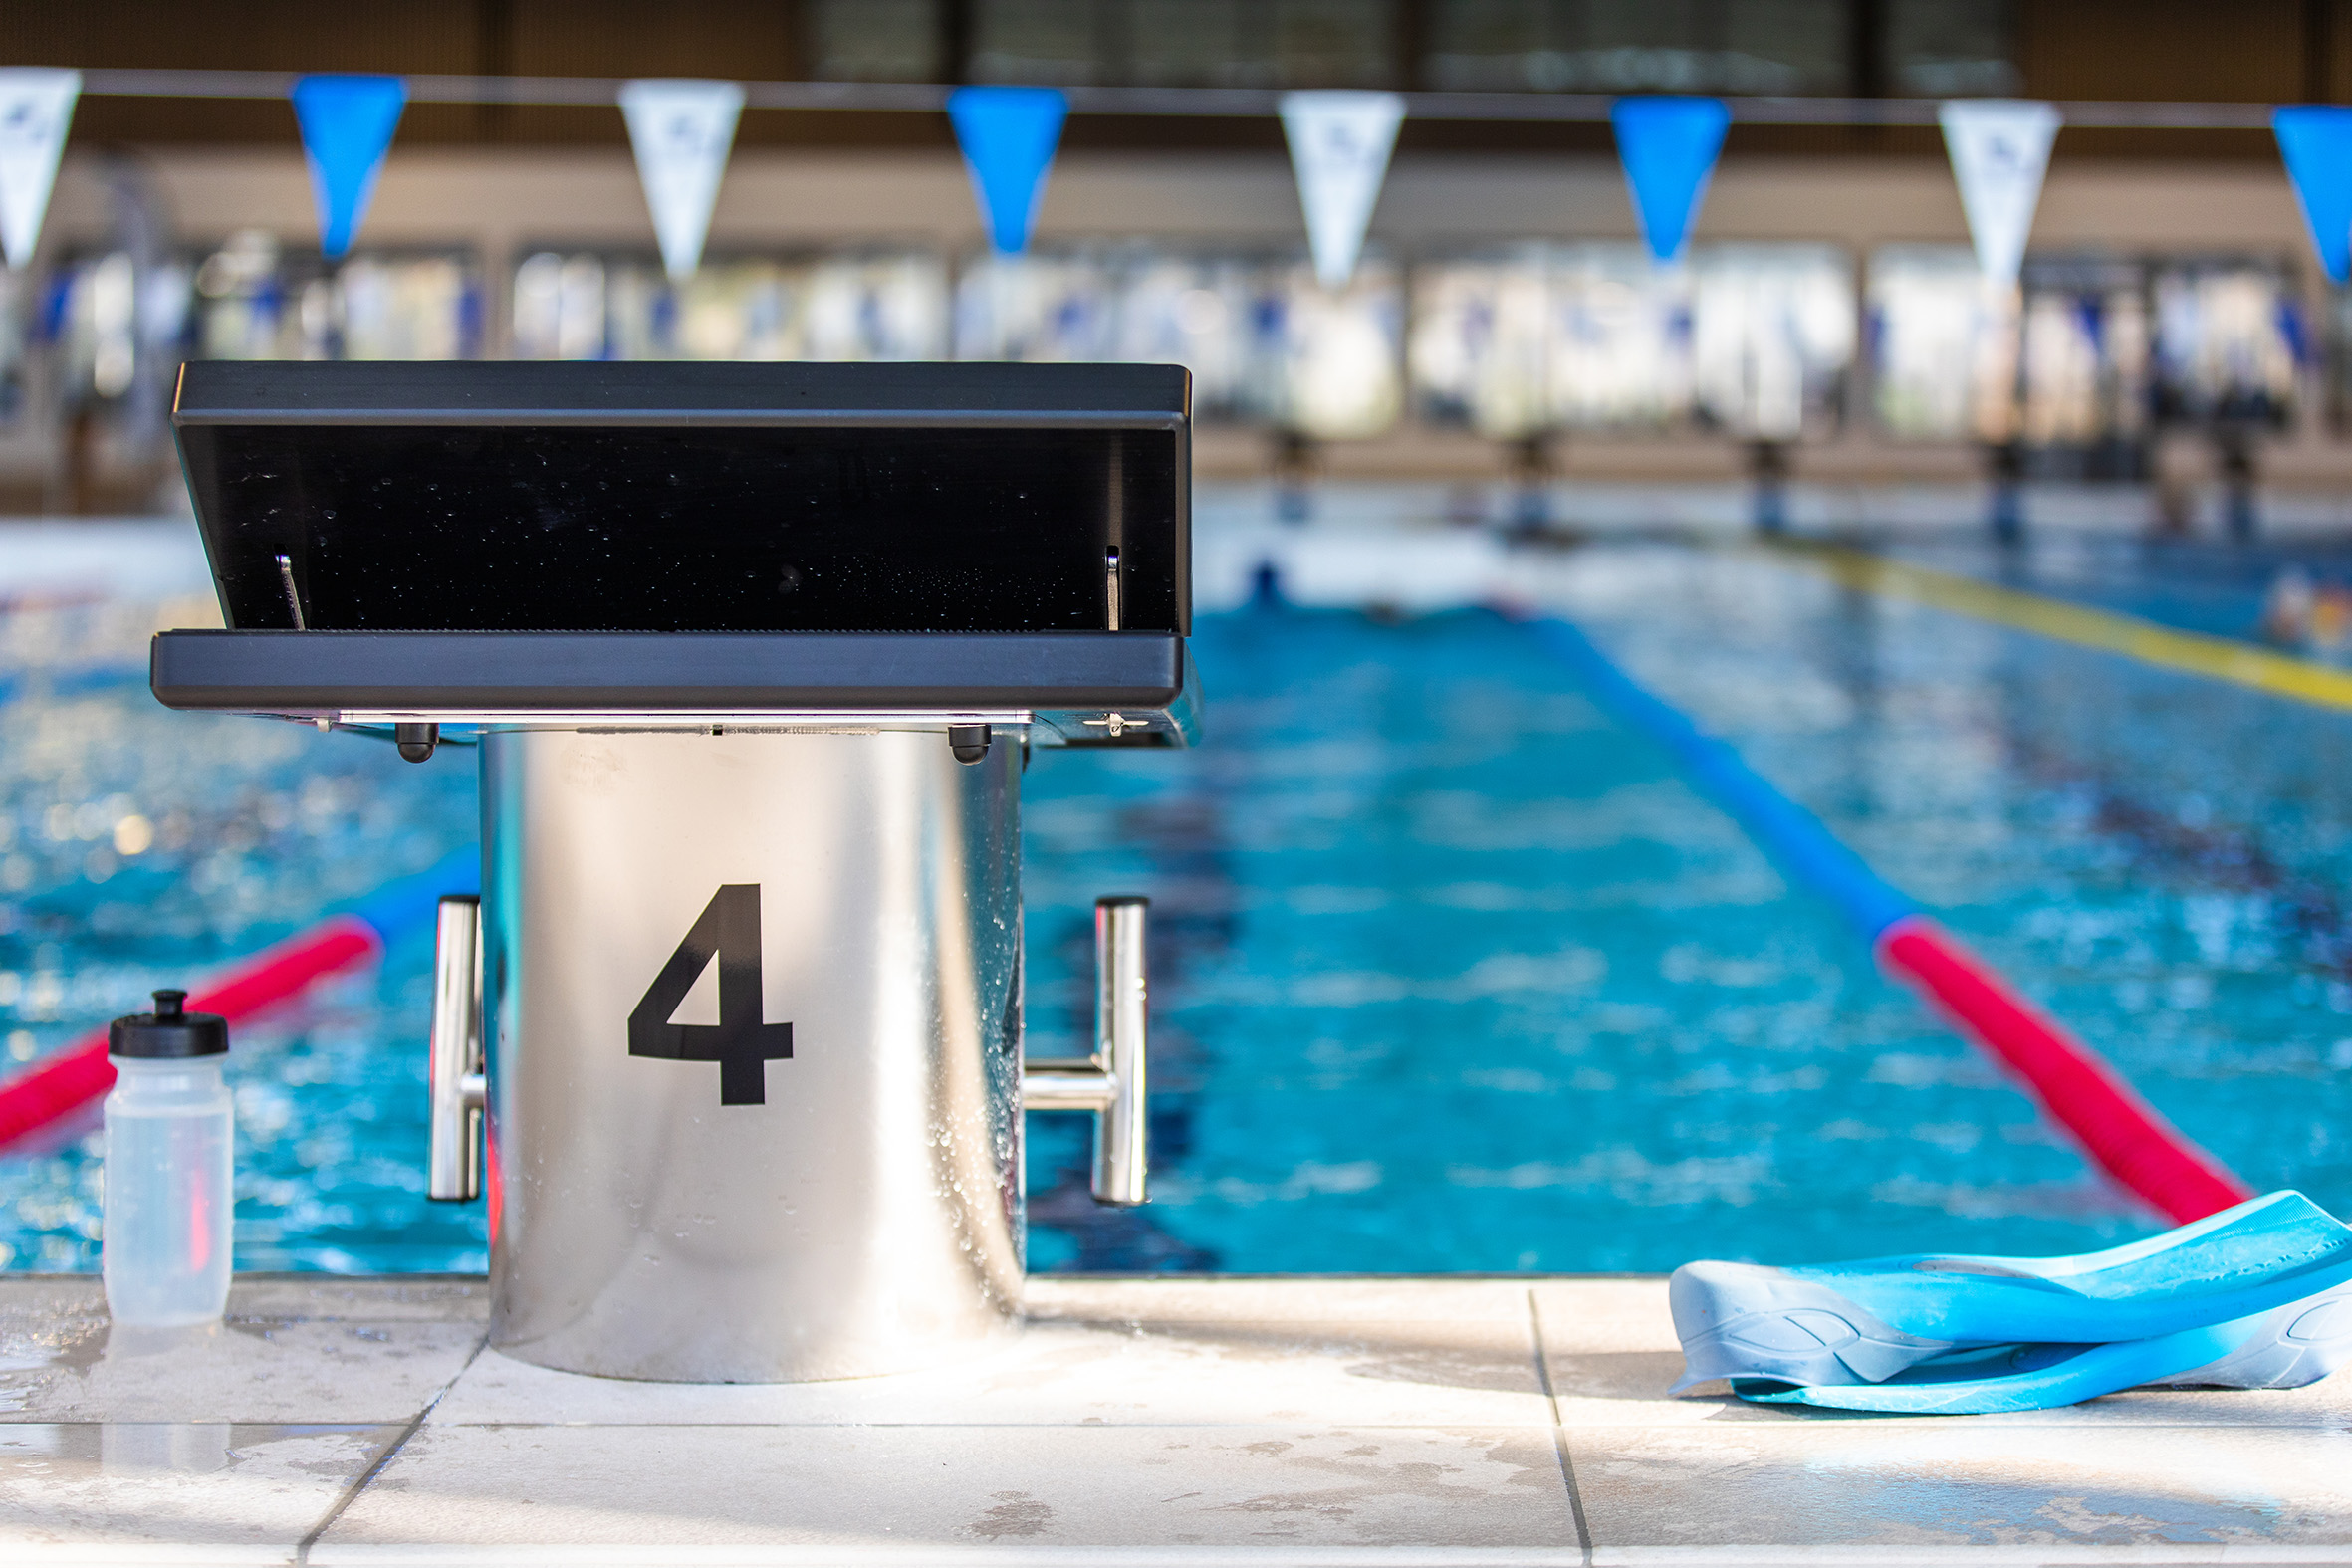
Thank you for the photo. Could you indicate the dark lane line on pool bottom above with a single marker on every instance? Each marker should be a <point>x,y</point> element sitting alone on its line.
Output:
<point>1899,721</point>
<point>2074,1086</point>
<point>1191,922</point>
<point>2223,856</point>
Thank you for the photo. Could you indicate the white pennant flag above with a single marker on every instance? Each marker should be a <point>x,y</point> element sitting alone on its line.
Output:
<point>1999,149</point>
<point>681,130</point>
<point>1340,145</point>
<point>34,108</point>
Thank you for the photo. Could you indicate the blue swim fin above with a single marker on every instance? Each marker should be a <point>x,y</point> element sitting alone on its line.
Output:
<point>1864,1322</point>
<point>2285,1347</point>
<point>1747,1320</point>
<point>2300,1343</point>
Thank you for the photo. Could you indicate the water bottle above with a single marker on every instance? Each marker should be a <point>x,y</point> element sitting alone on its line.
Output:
<point>168,1199</point>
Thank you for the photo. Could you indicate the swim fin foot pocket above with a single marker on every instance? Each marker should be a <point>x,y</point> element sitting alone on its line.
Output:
<point>2256,1296</point>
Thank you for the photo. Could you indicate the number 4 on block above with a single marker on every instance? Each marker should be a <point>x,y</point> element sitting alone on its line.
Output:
<point>728,930</point>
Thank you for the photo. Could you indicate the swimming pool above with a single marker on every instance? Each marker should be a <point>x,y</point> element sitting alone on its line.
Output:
<point>1451,973</point>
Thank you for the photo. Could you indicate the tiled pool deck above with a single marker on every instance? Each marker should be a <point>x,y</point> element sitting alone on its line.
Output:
<point>1231,1420</point>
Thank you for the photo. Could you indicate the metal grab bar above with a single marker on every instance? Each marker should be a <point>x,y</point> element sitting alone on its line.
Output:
<point>1110,1083</point>
<point>453,1168</point>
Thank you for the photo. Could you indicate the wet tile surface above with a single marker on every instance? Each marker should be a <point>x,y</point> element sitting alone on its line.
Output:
<point>1103,1374</point>
<point>251,1493</point>
<point>1960,1483</point>
<point>918,1487</point>
<point>1321,1299</point>
<point>291,1350</point>
<point>1323,1420</point>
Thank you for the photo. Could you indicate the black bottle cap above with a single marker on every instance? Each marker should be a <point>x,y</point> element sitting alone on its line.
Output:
<point>169,1031</point>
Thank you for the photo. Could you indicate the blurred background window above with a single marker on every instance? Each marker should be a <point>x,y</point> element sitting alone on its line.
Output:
<point>1938,48</point>
<point>1056,42</point>
<point>16,290</point>
<point>874,40</point>
<point>1581,337</point>
<point>2339,358</point>
<point>1040,308</point>
<point>1939,346</point>
<point>241,302</point>
<point>407,307</point>
<point>257,300</point>
<point>1620,340</point>
<point>2085,367</point>
<point>1478,351</point>
<point>1198,43</point>
<point>1950,48</point>
<point>1212,43</point>
<point>1192,311</point>
<point>1771,338</point>
<point>742,309</point>
<point>2227,342</point>
<point>1334,42</point>
<point>98,327</point>
<point>879,306</point>
<point>1329,364</point>
<point>1604,45</point>
<point>623,306</point>
<point>112,321</point>
<point>559,308</point>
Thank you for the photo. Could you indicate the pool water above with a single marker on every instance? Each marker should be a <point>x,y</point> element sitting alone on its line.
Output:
<point>1451,973</point>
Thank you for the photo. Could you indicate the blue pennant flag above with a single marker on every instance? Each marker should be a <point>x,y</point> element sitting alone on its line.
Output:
<point>1007,134</point>
<point>346,128</point>
<point>2316,141</point>
<point>1668,146</point>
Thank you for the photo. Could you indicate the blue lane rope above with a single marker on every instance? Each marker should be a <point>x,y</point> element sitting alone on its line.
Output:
<point>2076,1088</point>
<point>1792,835</point>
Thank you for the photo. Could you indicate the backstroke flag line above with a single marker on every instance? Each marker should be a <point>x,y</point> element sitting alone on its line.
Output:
<point>2000,150</point>
<point>2315,140</point>
<point>1339,147</point>
<point>682,131</point>
<point>346,128</point>
<point>36,106</point>
<point>1007,134</point>
<point>1668,146</point>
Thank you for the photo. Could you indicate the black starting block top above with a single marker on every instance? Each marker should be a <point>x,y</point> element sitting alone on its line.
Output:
<point>455,541</point>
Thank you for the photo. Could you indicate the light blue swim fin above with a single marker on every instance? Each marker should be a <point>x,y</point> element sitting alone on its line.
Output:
<point>1864,1322</point>
<point>2283,1348</point>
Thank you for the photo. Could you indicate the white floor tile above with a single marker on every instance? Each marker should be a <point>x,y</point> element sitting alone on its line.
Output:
<point>865,1489</point>
<point>1067,1374</point>
<point>173,1493</point>
<point>1863,1482</point>
<point>1298,1299</point>
<point>308,1372</point>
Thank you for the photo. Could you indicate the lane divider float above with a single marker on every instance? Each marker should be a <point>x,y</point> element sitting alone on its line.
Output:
<point>2075,1087</point>
<point>72,1078</point>
<point>2192,652</point>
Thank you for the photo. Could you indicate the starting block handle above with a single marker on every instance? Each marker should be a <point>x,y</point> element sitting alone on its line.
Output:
<point>453,1168</point>
<point>1112,1082</point>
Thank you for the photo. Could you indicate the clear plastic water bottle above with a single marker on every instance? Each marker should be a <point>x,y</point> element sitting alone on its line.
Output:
<point>169,1141</point>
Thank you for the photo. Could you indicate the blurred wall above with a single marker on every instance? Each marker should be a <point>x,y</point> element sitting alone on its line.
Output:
<point>501,179</point>
<point>501,203</point>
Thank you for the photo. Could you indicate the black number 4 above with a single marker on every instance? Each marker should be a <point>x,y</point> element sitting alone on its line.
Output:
<point>728,929</point>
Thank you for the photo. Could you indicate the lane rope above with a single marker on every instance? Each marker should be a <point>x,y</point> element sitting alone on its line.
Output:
<point>2192,652</point>
<point>2076,1088</point>
<point>70,1079</point>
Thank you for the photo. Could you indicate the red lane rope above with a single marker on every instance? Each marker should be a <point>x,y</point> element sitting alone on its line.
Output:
<point>81,1072</point>
<point>2075,1086</point>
